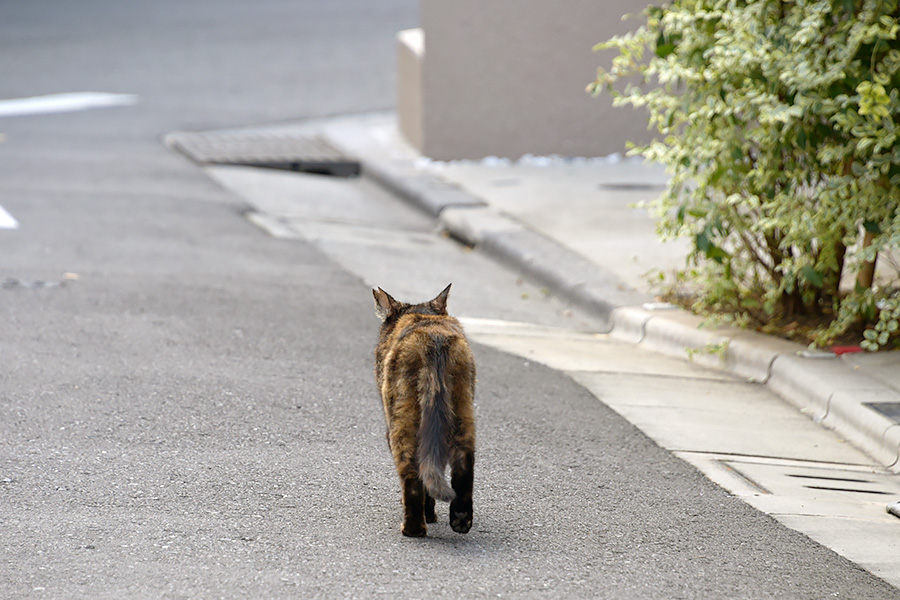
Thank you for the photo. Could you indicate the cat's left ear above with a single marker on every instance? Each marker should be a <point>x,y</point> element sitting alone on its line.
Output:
<point>439,304</point>
<point>385,306</point>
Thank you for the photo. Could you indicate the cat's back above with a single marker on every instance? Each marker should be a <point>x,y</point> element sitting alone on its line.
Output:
<point>419,330</point>
<point>416,337</point>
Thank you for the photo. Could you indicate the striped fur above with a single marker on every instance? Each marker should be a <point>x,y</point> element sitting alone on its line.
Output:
<point>426,376</point>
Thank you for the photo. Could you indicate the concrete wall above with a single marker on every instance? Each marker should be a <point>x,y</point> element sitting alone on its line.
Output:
<point>508,77</point>
<point>410,59</point>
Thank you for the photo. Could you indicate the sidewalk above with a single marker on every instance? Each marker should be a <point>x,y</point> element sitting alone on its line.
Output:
<point>571,226</point>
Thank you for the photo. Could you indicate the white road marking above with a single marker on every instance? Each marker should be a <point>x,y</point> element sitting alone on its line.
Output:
<point>68,102</point>
<point>7,221</point>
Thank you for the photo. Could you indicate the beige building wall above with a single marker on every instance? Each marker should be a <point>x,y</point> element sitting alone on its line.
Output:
<point>410,59</point>
<point>508,77</point>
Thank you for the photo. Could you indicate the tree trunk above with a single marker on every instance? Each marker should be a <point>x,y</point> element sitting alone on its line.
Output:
<point>866,276</point>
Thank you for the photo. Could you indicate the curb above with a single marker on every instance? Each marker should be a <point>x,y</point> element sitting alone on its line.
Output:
<point>427,193</point>
<point>581,282</point>
<point>821,385</point>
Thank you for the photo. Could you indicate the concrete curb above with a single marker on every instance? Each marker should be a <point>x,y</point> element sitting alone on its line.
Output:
<point>429,194</point>
<point>822,386</point>
<point>581,282</point>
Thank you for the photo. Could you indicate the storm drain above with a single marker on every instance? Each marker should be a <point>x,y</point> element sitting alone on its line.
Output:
<point>8,283</point>
<point>292,152</point>
<point>791,479</point>
<point>631,186</point>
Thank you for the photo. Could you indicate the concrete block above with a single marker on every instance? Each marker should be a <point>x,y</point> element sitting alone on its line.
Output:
<point>832,392</point>
<point>423,191</point>
<point>750,354</point>
<point>799,382</point>
<point>679,333</point>
<point>571,275</point>
<point>864,427</point>
<point>410,56</point>
<point>472,224</point>
<point>508,77</point>
<point>628,323</point>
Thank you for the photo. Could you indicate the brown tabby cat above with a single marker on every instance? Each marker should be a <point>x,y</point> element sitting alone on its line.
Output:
<point>426,376</point>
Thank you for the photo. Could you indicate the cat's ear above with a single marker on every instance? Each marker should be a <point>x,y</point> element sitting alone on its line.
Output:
<point>439,304</point>
<point>385,306</point>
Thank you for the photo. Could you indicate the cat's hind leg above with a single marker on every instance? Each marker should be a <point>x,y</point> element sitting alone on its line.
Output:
<point>413,507</point>
<point>430,516</point>
<point>403,438</point>
<point>404,425</point>
<point>462,477</point>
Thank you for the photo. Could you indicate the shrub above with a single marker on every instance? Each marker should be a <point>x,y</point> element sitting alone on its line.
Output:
<point>778,122</point>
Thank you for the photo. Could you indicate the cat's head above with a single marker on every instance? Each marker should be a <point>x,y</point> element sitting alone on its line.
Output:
<point>389,309</point>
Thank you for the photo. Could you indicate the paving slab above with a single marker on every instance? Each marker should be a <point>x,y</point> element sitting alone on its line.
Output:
<point>317,197</point>
<point>882,366</point>
<point>862,539</point>
<point>576,352</point>
<point>727,417</point>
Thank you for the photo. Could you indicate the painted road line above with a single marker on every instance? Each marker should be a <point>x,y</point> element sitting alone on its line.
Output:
<point>68,102</point>
<point>7,221</point>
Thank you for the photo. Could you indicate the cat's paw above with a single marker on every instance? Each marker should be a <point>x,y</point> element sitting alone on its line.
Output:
<point>461,522</point>
<point>410,530</point>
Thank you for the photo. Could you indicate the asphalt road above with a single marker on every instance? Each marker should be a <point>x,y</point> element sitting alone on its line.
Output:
<point>192,413</point>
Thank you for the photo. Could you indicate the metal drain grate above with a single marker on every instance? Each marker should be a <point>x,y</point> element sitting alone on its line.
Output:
<point>293,152</point>
<point>791,478</point>
<point>834,482</point>
<point>851,490</point>
<point>14,283</point>
<point>632,186</point>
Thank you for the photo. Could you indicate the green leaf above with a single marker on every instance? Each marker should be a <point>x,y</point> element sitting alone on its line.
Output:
<point>705,245</point>
<point>702,243</point>
<point>872,227</point>
<point>717,254</point>
<point>664,50</point>
<point>717,175</point>
<point>812,276</point>
<point>750,302</point>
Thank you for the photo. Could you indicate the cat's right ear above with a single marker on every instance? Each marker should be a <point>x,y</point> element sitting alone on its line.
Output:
<point>385,306</point>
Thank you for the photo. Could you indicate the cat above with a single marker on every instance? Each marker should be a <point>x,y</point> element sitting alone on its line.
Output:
<point>426,376</point>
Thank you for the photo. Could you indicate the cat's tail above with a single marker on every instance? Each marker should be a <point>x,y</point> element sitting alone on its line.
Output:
<point>433,452</point>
